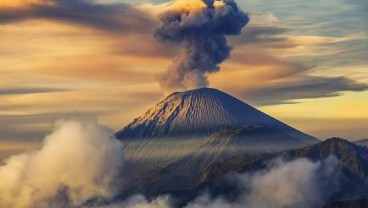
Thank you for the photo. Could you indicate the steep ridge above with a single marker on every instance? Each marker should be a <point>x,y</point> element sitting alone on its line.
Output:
<point>353,158</point>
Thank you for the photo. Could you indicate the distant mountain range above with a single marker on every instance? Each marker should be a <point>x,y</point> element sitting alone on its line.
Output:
<point>358,203</point>
<point>196,140</point>
<point>362,142</point>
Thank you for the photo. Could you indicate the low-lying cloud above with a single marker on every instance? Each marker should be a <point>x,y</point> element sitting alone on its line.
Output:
<point>78,161</point>
<point>296,184</point>
<point>300,183</point>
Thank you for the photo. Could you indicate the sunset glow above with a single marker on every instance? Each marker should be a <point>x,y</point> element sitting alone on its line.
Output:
<point>105,64</point>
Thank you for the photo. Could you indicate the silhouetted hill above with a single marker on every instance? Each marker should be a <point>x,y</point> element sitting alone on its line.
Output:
<point>361,203</point>
<point>353,158</point>
<point>362,142</point>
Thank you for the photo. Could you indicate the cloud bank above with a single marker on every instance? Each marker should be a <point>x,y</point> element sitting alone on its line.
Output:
<point>78,161</point>
<point>200,28</point>
<point>114,17</point>
<point>304,88</point>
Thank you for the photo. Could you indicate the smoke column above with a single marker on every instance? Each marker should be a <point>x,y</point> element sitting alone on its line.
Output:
<point>199,28</point>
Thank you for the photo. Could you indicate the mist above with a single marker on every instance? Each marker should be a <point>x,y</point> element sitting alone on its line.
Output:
<point>78,161</point>
<point>299,183</point>
<point>296,184</point>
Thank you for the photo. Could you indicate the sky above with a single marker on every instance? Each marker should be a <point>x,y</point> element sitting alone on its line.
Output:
<point>302,62</point>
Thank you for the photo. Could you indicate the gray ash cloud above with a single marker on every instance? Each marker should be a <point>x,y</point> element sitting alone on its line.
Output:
<point>201,31</point>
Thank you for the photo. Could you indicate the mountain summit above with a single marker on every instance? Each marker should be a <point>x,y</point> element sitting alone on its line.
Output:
<point>203,112</point>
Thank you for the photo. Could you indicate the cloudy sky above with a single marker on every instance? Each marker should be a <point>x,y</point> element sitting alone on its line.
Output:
<point>303,62</point>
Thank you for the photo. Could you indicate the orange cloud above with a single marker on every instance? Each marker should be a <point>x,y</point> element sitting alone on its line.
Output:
<point>191,5</point>
<point>110,72</point>
<point>23,3</point>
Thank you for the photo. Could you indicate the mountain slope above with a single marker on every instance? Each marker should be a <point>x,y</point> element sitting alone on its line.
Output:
<point>200,113</point>
<point>353,158</point>
<point>185,179</point>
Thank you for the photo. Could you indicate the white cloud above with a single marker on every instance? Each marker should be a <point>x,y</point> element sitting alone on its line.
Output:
<point>297,184</point>
<point>140,201</point>
<point>78,161</point>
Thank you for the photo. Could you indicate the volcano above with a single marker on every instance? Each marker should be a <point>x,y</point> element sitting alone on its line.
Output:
<point>199,127</point>
<point>207,112</point>
<point>196,140</point>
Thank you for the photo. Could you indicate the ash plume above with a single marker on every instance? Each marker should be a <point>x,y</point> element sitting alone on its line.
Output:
<point>199,28</point>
